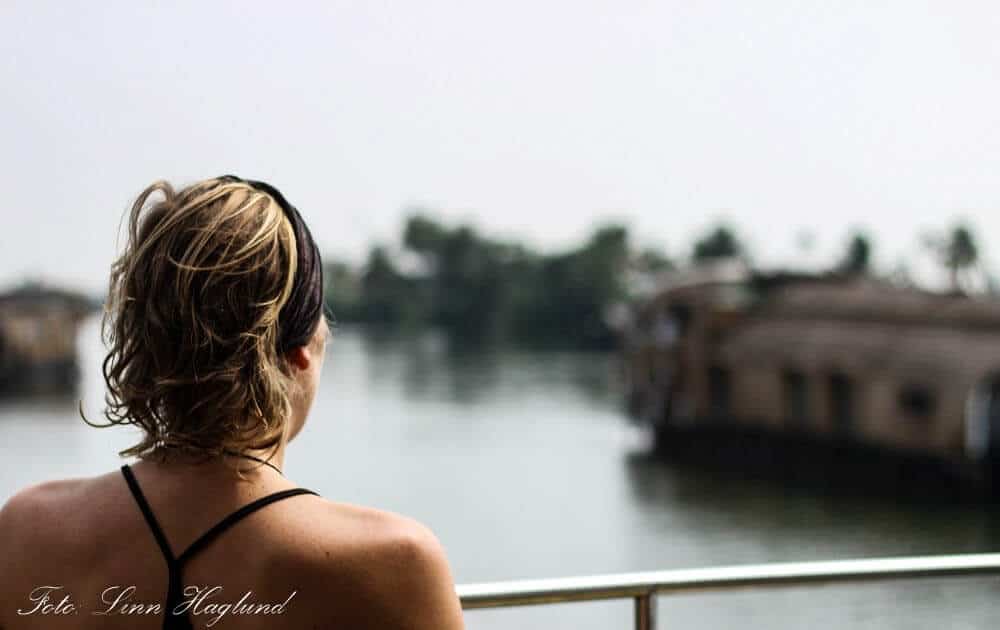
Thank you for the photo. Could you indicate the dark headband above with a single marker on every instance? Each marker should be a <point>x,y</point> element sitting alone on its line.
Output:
<point>298,317</point>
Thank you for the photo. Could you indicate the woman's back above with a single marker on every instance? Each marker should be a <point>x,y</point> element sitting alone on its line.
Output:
<point>316,563</point>
<point>217,336</point>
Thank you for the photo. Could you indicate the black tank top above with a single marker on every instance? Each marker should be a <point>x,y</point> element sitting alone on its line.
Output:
<point>175,564</point>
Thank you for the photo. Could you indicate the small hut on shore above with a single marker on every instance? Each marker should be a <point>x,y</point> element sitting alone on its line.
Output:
<point>848,359</point>
<point>38,332</point>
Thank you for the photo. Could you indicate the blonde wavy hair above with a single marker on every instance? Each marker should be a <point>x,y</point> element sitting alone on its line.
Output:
<point>192,322</point>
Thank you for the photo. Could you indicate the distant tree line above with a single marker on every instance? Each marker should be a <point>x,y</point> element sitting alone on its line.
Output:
<point>475,286</point>
<point>479,287</point>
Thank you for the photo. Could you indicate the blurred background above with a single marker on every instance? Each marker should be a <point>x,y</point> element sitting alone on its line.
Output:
<point>620,286</point>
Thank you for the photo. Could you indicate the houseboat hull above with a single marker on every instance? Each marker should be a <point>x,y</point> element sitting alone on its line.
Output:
<point>839,466</point>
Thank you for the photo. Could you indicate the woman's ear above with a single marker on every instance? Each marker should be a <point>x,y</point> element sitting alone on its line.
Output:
<point>299,357</point>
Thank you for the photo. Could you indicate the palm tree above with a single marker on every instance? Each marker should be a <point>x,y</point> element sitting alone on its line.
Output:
<point>857,258</point>
<point>721,242</point>
<point>957,252</point>
<point>961,253</point>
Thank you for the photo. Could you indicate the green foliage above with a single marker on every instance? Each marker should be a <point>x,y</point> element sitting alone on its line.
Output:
<point>572,291</point>
<point>957,252</point>
<point>962,251</point>
<point>342,291</point>
<point>382,286</point>
<point>857,258</point>
<point>478,287</point>
<point>423,235</point>
<point>721,242</point>
<point>652,261</point>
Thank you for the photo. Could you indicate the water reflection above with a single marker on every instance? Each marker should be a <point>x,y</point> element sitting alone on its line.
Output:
<point>432,365</point>
<point>821,525</point>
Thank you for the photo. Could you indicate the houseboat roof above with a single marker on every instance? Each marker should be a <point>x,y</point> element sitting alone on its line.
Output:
<point>926,352</point>
<point>36,296</point>
<point>870,300</point>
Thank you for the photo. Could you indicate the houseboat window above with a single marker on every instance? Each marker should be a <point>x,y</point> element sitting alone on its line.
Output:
<point>917,402</point>
<point>719,391</point>
<point>796,397</point>
<point>841,394</point>
<point>681,316</point>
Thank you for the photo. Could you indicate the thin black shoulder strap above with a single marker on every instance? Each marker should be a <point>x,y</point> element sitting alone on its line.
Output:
<point>161,540</point>
<point>234,518</point>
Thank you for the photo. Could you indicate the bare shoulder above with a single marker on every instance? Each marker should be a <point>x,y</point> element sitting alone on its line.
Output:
<point>29,521</point>
<point>393,563</point>
<point>35,509</point>
<point>39,516</point>
<point>370,538</point>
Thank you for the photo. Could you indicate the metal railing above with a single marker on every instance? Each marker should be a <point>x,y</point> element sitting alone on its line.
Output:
<point>643,587</point>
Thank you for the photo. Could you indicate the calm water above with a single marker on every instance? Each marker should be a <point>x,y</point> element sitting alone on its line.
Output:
<point>525,468</point>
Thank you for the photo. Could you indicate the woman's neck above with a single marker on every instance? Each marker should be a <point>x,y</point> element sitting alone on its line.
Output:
<point>248,461</point>
<point>274,459</point>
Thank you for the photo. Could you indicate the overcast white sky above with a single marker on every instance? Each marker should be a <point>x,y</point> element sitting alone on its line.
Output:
<point>533,120</point>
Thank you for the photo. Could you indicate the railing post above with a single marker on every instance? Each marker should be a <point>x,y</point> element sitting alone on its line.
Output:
<point>645,611</point>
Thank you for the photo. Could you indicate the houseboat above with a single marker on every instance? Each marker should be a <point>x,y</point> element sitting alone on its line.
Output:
<point>849,362</point>
<point>38,333</point>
